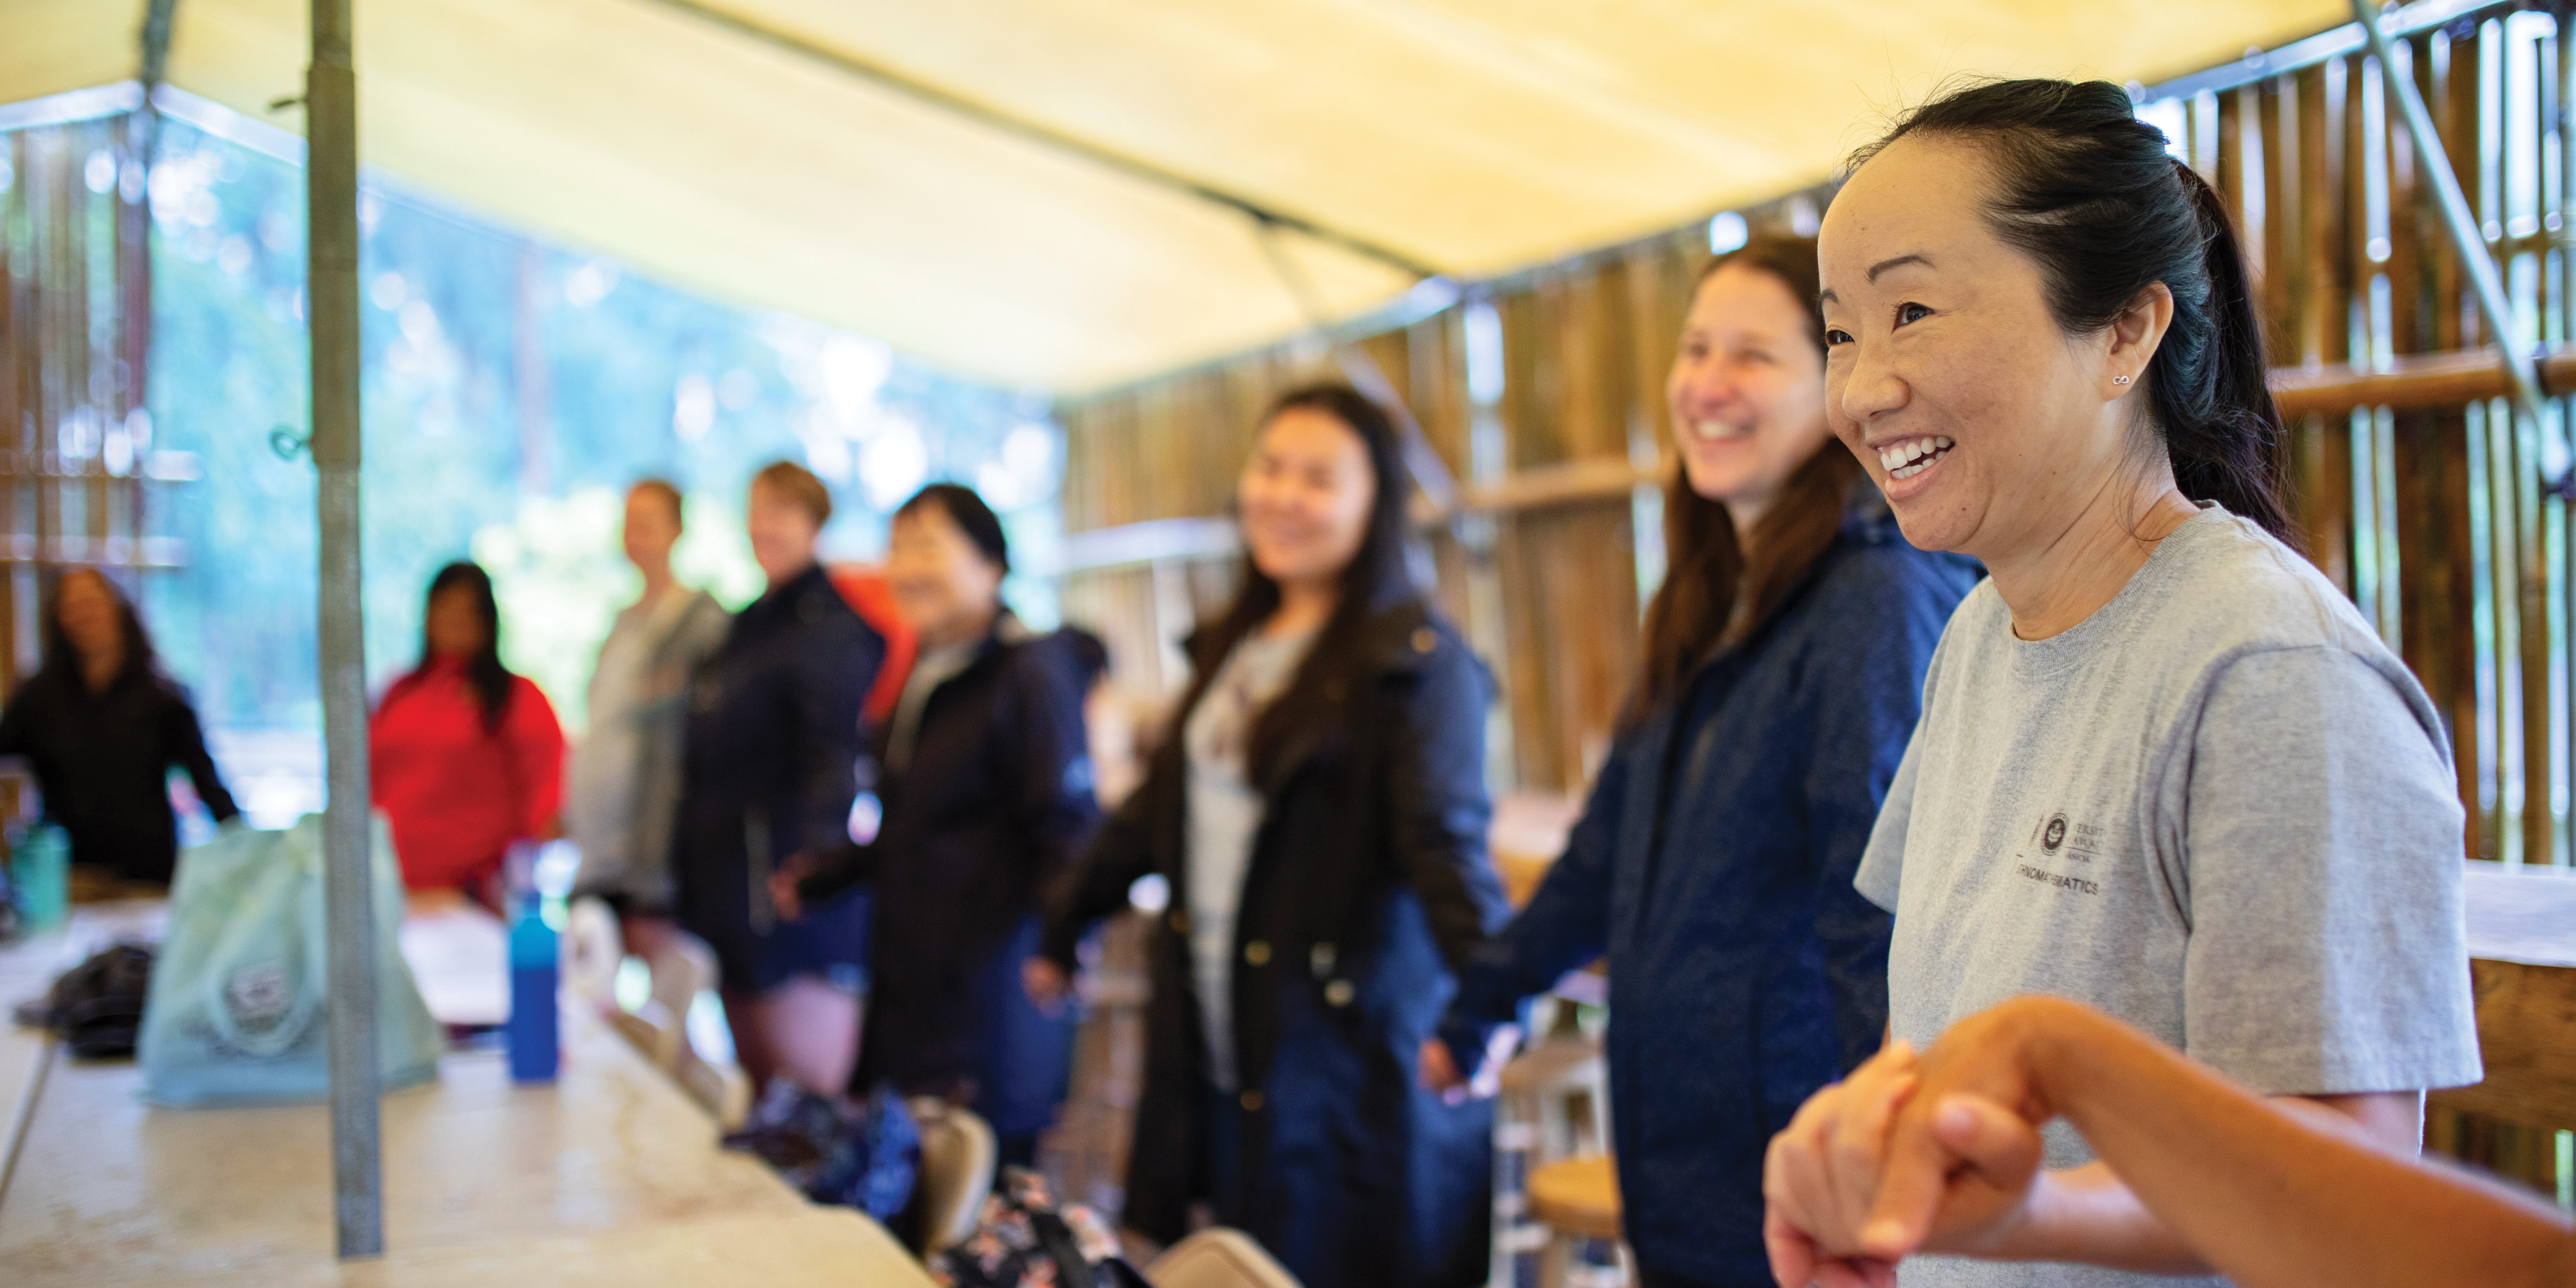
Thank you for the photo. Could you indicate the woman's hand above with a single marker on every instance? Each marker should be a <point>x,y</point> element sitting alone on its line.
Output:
<point>1990,1156</point>
<point>1437,1070</point>
<point>1820,1177</point>
<point>782,886</point>
<point>1046,982</point>
<point>1953,1179</point>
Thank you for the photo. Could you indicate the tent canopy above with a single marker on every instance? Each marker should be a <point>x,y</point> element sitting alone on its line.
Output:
<point>1054,196</point>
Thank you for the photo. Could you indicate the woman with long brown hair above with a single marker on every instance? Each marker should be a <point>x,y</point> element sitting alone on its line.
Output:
<point>1319,813</point>
<point>464,756</point>
<point>1784,658</point>
<point>102,725</point>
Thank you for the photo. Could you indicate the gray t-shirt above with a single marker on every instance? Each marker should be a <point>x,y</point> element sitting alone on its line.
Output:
<point>1225,812</point>
<point>2219,809</point>
<point>623,785</point>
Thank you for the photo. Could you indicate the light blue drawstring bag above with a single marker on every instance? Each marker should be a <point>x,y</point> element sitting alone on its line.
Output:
<point>237,1010</point>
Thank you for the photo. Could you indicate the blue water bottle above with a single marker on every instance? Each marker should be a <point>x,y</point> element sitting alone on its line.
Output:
<point>535,966</point>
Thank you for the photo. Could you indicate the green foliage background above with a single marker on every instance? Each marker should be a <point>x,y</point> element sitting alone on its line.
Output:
<point>512,389</point>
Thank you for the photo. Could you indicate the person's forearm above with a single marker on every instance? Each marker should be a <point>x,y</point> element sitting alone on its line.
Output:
<point>2087,1215</point>
<point>1088,892</point>
<point>2272,1202</point>
<point>836,872</point>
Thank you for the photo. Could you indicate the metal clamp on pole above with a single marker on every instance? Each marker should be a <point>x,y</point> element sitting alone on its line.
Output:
<point>2529,397</point>
<point>331,213</point>
<point>1430,473</point>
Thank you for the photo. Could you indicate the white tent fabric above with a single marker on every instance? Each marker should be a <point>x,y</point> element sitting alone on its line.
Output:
<point>754,149</point>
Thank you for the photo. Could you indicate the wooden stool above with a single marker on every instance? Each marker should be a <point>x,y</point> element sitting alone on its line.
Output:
<point>1578,1199</point>
<point>1554,1105</point>
<point>956,1172</point>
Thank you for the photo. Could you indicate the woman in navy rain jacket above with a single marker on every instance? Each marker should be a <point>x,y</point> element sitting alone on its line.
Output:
<point>987,796</point>
<point>1320,814</point>
<point>770,763</point>
<point>1782,676</point>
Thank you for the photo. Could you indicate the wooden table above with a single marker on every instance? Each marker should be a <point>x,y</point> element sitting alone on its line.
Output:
<point>610,1176</point>
<point>2522,949</point>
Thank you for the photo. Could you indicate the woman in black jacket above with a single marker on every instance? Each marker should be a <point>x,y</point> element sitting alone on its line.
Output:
<point>770,763</point>
<point>1319,815</point>
<point>986,786</point>
<point>101,726</point>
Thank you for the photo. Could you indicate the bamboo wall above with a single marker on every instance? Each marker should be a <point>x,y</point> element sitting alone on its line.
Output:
<point>2435,516</point>
<point>2437,521</point>
<point>2433,520</point>
<point>75,338</point>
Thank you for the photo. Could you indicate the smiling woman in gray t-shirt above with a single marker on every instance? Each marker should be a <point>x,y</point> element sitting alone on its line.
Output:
<point>2218,808</point>
<point>2163,768</point>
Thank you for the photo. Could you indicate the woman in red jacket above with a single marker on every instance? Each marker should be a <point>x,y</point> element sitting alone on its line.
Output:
<point>466,758</point>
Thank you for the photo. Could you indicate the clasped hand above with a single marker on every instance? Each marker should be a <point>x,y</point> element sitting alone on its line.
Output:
<point>1932,1153</point>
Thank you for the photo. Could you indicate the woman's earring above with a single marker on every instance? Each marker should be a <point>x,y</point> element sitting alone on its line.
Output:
<point>2119,380</point>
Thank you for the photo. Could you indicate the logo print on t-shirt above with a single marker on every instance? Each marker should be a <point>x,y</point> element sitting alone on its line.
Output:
<point>2059,838</point>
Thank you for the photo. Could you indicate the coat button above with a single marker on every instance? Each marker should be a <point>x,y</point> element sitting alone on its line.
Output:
<point>1180,922</point>
<point>1425,640</point>
<point>1338,993</point>
<point>1320,960</point>
<point>1251,1102</point>
<point>1257,952</point>
<point>1335,690</point>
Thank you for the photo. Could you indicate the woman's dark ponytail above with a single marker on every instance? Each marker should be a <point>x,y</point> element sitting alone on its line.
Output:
<point>2212,396</point>
<point>2088,190</point>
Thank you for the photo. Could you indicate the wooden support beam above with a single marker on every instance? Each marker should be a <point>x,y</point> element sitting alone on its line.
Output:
<point>1585,478</point>
<point>2432,380</point>
<point>2411,382</point>
<point>2420,382</point>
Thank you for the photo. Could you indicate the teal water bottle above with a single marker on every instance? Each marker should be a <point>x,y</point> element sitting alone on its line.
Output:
<point>535,967</point>
<point>40,868</point>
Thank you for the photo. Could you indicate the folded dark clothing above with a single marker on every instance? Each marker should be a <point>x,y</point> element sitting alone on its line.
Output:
<point>97,1006</point>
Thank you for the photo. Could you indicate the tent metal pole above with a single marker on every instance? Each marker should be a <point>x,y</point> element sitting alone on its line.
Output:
<point>156,45</point>
<point>2458,219</point>
<point>331,192</point>
<point>1430,473</point>
<point>2566,127</point>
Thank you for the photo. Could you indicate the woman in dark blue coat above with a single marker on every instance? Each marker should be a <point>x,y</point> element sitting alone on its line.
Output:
<point>1783,672</point>
<point>1319,813</point>
<point>770,762</point>
<point>986,786</point>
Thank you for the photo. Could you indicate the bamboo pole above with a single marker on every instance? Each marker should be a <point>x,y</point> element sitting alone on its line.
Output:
<point>331,180</point>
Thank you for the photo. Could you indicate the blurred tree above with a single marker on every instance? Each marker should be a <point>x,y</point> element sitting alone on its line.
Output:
<point>513,389</point>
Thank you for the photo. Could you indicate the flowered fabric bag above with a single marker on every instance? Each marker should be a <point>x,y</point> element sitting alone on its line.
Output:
<point>863,1155</point>
<point>1024,1241</point>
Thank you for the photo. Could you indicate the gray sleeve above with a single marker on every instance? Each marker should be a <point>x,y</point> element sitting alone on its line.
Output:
<point>1882,865</point>
<point>701,633</point>
<point>2322,866</point>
